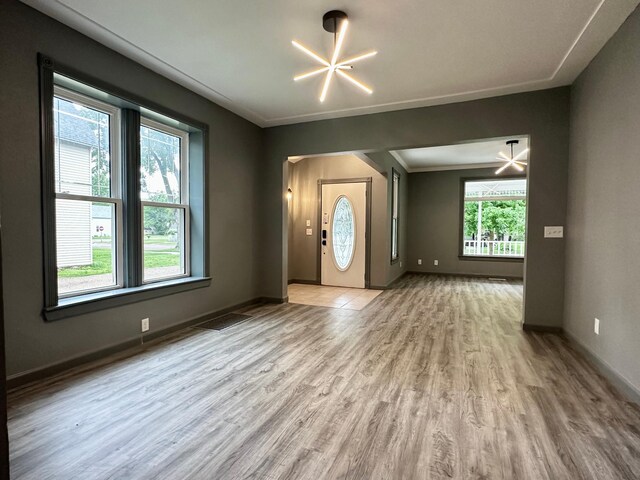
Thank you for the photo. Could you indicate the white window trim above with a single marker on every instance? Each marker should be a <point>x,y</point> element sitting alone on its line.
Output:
<point>115,183</point>
<point>184,199</point>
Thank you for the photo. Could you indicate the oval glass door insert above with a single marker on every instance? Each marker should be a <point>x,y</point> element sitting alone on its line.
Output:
<point>343,233</point>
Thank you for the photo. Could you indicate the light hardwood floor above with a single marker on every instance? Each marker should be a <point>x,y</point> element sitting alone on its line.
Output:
<point>433,379</point>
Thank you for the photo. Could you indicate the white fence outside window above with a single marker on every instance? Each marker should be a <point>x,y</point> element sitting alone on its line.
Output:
<point>494,248</point>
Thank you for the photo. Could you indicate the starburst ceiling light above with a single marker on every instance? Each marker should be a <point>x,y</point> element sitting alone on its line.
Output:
<point>512,161</point>
<point>335,22</point>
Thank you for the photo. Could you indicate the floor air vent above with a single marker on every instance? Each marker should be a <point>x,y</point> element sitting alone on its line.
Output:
<point>224,321</point>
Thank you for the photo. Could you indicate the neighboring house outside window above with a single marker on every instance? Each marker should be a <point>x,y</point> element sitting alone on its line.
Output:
<point>74,140</point>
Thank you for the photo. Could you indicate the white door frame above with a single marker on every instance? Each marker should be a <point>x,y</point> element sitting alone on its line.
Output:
<point>367,255</point>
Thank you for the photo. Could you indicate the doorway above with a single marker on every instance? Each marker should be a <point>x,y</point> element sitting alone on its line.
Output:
<point>343,226</point>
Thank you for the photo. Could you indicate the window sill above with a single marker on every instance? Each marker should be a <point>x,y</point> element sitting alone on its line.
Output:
<point>487,258</point>
<point>93,302</point>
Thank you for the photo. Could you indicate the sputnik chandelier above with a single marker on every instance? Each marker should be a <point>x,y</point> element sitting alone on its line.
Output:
<point>335,22</point>
<point>512,161</point>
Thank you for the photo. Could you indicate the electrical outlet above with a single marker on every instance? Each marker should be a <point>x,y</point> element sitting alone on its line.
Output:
<point>596,326</point>
<point>419,261</point>
<point>554,232</point>
<point>435,262</point>
<point>144,324</point>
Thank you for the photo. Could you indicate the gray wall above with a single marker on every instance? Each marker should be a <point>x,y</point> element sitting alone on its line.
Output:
<point>387,164</point>
<point>434,226</point>
<point>603,231</point>
<point>303,180</point>
<point>235,152</point>
<point>544,115</point>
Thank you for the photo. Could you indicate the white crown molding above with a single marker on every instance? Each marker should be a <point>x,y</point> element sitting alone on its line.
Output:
<point>611,12</point>
<point>83,24</point>
<point>417,103</point>
<point>439,168</point>
<point>608,14</point>
<point>400,160</point>
<point>577,39</point>
<point>606,19</point>
<point>444,168</point>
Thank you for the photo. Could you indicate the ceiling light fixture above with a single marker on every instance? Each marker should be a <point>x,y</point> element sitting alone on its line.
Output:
<point>335,22</point>
<point>512,161</point>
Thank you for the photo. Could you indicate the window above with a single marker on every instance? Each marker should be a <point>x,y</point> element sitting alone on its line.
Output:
<point>88,206</point>
<point>164,194</point>
<point>494,218</point>
<point>394,215</point>
<point>124,197</point>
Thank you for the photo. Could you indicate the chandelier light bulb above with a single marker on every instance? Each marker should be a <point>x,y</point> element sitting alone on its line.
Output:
<point>338,24</point>
<point>511,160</point>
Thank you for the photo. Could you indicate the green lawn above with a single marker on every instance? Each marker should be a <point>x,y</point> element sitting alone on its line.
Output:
<point>161,259</point>
<point>102,260</point>
<point>101,264</point>
<point>159,239</point>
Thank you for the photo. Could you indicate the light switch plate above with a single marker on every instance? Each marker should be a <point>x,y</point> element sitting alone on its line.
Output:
<point>554,232</point>
<point>309,232</point>
<point>308,223</point>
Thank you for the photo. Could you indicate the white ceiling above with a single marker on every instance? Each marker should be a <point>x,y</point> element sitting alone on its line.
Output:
<point>456,157</point>
<point>239,53</point>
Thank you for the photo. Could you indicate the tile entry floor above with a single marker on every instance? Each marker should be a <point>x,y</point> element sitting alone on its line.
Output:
<point>333,297</point>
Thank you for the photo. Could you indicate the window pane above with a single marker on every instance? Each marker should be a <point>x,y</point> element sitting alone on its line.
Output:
<point>494,228</point>
<point>85,234</point>
<point>82,146</point>
<point>164,242</point>
<point>343,240</point>
<point>396,184</point>
<point>394,238</point>
<point>494,217</point>
<point>159,166</point>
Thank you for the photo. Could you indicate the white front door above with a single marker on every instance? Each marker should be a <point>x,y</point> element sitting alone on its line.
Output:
<point>343,234</point>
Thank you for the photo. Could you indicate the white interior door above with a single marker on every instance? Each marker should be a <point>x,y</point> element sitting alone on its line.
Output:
<point>343,234</point>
